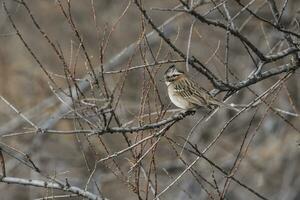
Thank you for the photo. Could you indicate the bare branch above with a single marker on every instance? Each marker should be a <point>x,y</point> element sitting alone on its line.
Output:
<point>52,185</point>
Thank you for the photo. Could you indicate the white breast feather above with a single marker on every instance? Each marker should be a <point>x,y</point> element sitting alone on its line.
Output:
<point>178,100</point>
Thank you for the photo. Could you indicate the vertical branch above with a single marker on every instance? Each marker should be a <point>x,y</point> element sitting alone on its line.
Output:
<point>2,162</point>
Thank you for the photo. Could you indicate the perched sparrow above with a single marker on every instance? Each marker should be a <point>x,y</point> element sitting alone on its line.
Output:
<point>185,94</point>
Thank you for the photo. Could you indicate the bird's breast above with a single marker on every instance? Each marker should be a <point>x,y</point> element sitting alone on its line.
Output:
<point>177,99</point>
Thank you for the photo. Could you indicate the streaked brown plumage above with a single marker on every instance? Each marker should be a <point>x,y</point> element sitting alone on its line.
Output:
<point>186,94</point>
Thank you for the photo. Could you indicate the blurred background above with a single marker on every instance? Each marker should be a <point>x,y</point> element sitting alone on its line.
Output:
<point>270,160</point>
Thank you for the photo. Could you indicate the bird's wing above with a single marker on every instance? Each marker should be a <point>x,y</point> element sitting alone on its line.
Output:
<point>192,93</point>
<point>198,95</point>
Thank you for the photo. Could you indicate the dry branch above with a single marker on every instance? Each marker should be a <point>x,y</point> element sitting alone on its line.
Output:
<point>52,185</point>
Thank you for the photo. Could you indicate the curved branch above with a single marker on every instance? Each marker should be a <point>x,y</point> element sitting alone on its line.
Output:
<point>44,184</point>
<point>226,28</point>
<point>192,61</point>
<point>266,74</point>
<point>177,117</point>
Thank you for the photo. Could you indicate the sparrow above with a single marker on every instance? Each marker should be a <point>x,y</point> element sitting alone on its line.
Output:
<point>186,94</point>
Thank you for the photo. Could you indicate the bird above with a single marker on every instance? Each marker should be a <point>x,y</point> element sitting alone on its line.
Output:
<point>186,94</point>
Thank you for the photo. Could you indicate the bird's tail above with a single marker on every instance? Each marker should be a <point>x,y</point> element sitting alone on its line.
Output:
<point>222,104</point>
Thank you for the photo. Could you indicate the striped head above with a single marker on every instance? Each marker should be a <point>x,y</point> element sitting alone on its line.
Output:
<point>172,74</point>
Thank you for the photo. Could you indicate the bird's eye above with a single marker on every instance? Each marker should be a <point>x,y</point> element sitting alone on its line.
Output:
<point>172,77</point>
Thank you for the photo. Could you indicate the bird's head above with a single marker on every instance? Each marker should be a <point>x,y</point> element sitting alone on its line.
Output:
<point>172,74</point>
